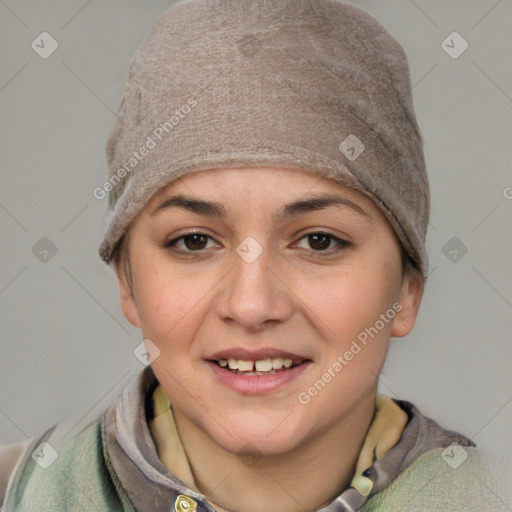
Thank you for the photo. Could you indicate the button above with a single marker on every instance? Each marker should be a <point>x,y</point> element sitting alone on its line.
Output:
<point>185,504</point>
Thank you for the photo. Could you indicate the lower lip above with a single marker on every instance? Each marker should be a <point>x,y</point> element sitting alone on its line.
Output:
<point>257,384</point>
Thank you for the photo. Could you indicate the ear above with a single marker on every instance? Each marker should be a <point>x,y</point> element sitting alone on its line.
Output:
<point>126,298</point>
<point>411,294</point>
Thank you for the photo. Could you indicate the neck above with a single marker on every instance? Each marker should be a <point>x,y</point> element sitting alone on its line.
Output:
<point>305,478</point>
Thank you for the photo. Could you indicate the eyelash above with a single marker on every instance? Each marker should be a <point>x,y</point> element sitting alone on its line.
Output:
<point>342,244</point>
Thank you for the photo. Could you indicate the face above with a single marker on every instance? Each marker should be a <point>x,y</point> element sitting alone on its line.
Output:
<point>271,295</point>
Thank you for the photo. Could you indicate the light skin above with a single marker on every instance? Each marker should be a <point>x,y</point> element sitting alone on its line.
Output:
<point>305,294</point>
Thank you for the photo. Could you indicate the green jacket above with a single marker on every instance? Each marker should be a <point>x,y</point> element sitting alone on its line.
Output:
<point>109,466</point>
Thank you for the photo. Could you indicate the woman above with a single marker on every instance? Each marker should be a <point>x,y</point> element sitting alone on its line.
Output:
<point>268,209</point>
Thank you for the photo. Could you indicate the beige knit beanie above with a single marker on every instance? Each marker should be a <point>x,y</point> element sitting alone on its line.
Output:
<point>316,85</point>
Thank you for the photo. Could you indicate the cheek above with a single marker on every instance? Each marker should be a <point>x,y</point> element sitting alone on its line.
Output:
<point>353,355</point>
<point>355,309</point>
<point>169,302</point>
<point>346,302</point>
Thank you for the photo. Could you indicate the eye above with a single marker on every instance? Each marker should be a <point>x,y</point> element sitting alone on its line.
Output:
<point>321,242</point>
<point>191,242</point>
<point>317,241</point>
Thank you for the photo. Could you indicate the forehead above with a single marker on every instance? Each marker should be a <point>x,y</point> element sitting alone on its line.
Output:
<point>258,185</point>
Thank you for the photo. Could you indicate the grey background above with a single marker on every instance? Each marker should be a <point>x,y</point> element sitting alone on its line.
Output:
<point>65,347</point>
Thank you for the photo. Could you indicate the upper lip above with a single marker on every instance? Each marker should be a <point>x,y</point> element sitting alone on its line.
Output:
<point>254,355</point>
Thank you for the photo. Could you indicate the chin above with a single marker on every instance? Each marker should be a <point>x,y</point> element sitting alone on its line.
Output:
<point>245,446</point>
<point>270,437</point>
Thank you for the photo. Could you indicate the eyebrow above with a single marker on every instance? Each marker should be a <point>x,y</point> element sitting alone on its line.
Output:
<point>214,209</point>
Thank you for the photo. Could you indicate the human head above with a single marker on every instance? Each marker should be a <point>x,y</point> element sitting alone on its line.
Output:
<point>292,117</point>
<point>336,103</point>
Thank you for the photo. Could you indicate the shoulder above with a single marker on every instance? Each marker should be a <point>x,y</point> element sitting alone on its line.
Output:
<point>65,473</point>
<point>445,479</point>
<point>10,455</point>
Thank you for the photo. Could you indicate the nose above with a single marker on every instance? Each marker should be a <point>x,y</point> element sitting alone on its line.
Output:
<point>254,295</point>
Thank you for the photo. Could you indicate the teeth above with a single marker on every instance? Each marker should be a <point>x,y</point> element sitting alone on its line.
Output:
<point>259,367</point>
<point>277,363</point>
<point>245,366</point>
<point>265,365</point>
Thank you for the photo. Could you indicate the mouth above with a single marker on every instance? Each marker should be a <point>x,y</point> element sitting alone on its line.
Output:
<point>267,366</point>
<point>254,372</point>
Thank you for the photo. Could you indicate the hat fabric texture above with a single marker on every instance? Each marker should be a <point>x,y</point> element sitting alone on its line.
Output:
<point>316,85</point>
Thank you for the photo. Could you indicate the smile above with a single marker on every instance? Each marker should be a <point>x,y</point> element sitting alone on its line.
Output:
<point>268,366</point>
<point>255,372</point>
